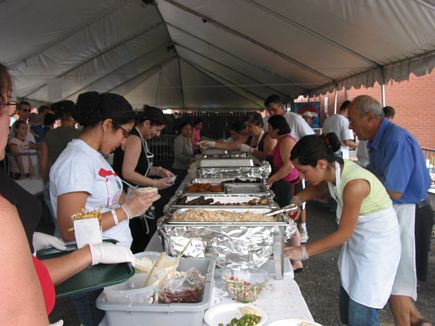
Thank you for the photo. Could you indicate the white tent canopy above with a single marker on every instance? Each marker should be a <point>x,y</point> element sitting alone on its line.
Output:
<point>212,53</point>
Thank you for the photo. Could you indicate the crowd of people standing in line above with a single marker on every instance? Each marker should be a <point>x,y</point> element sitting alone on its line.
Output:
<point>383,214</point>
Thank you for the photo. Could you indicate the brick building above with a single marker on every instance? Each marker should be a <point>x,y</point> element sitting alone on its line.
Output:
<point>413,100</point>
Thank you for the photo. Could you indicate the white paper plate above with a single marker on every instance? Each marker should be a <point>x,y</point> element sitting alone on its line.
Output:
<point>223,313</point>
<point>292,322</point>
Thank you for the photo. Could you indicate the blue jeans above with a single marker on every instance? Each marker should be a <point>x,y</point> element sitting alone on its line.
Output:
<point>356,314</point>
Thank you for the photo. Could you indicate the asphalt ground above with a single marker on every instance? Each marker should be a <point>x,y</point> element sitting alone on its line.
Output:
<point>319,282</point>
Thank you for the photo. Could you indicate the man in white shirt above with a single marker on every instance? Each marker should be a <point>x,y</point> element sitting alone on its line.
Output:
<point>338,124</point>
<point>298,126</point>
<point>298,129</point>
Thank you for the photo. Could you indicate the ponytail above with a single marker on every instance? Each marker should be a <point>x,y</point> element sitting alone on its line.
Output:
<point>310,149</point>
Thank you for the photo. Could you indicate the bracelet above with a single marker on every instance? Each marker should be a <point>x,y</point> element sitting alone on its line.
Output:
<point>115,217</point>
<point>126,211</point>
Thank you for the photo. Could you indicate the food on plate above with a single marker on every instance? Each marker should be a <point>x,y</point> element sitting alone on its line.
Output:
<point>202,215</point>
<point>182,287</point>
<point>245,320</point>
<point>305,323</point>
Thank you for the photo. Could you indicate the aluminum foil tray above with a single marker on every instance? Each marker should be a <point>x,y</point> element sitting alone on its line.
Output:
<point>225,162</point>
<point>226,155</point>
<point>227,180</point>
<point>245,188</point>
<point>237,209</point>
<point>262,171</point>
<point>256,241</point>
<point>229,201</point>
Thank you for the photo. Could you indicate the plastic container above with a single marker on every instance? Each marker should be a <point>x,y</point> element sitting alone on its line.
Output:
<point>164,314</point>
<point>244,285</point>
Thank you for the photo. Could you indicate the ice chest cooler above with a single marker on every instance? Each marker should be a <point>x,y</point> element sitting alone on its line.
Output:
<point>191,314</point>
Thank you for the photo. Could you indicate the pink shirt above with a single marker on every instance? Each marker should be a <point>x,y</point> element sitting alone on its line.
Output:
<point>277,163</point>
<point>196,137</point>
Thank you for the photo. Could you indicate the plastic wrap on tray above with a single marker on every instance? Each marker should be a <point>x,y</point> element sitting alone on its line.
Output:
<point>182,287</point>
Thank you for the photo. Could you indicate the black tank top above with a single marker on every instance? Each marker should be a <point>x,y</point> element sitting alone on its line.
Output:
<point>29,208</point>
<point>118,158</point>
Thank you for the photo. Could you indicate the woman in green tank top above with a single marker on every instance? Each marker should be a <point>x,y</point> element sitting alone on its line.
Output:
<point>368,230</point>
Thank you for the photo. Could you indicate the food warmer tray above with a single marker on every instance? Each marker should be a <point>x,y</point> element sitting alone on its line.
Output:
<point>236,209</point>
<point>227,180</point>
<point>226,162</point>
<point>226,201</point>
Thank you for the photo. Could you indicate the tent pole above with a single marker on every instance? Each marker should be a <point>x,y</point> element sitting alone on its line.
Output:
<point>335,100</point>
<point>383,103</point>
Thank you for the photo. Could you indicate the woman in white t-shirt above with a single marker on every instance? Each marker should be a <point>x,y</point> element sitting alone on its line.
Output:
<point>82,178</point>
<point>21,165</point>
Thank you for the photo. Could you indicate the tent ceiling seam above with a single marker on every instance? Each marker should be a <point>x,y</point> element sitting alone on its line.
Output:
<point>231,68</point>
<point>202,69</point>
<point>100,53</point>
<point>181,81</point>
<point>115,70</point>
<point>229,30</point>
<point>75,31</point>
<point>312,32</point>
<point>233,55</point>
<point>157,65</point>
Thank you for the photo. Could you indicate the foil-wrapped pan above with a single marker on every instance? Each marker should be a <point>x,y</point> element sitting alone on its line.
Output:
<point>262,171</point>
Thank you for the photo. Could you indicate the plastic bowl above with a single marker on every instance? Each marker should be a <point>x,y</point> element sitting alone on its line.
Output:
<point>243,285</point>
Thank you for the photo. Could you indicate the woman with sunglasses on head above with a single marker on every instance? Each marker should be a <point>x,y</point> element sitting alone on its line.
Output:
<point>368,230</point>
<point>27,280</point>
<point>82,179</point>
<point>134,162</point>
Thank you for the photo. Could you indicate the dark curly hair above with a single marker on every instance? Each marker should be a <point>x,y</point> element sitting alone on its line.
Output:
<point>310,149</point>
<point>5,82</point>
<point>93,108</point>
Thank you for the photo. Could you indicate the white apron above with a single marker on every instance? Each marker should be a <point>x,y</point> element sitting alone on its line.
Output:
<point>368,260</point>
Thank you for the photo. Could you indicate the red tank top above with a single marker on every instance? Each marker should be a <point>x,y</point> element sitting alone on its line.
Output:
<point>47,285</point>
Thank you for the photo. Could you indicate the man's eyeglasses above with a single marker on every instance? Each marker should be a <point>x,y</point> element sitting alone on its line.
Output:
<point>11,106</point>
<point>125,132</point>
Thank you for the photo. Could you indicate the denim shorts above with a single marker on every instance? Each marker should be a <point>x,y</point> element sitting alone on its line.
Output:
<point>355,314</point>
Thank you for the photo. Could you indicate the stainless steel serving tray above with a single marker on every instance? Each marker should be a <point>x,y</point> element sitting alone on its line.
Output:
<point>225,155</point>
<point>226,162</point>
<point>245,188</point>
<point>226,180</point>
<point>235,209</point>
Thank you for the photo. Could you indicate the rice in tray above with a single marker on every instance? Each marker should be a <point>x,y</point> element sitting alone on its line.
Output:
<point>202,215</point>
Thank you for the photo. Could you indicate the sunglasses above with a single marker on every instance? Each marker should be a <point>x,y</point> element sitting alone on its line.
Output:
<point>11,107</point>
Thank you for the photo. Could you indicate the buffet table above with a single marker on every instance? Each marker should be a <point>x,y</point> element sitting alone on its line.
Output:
<point>238,190</point>
<point>282,300</point>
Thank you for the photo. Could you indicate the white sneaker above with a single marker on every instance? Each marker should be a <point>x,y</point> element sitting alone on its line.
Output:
<point>304,236</point>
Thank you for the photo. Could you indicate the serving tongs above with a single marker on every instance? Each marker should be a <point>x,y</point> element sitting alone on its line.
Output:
<point>288,208</point>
